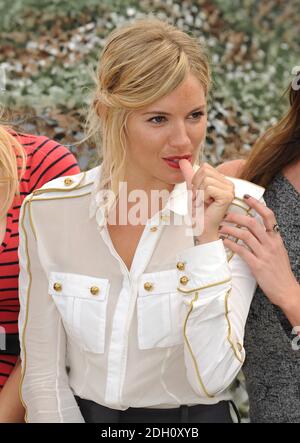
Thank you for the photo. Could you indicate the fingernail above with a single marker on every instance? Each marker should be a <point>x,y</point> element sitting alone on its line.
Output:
<point>247,196</point>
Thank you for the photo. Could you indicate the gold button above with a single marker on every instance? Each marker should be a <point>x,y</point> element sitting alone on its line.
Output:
<point>57,287</point>
<point>148,286</point>
<point>184,280</point>
<point>240,347</point>
<point>68,181</point>
<point>180,266</point>
<point>94,290</point>
<point>165,218</point>
<point>153,229</point>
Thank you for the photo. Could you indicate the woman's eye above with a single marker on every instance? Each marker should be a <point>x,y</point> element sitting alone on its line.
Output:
<point>197,115</point>
<point>157,119</point>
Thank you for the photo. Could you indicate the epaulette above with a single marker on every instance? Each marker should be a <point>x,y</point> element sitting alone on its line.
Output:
<point>73,184</point>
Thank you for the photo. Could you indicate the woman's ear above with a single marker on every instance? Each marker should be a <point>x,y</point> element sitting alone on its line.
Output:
<point>100,109</point>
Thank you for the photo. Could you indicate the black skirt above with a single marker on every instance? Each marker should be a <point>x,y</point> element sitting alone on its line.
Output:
<point>217,413</point>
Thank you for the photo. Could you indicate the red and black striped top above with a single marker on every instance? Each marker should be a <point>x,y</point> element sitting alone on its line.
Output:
<point>46,160</point>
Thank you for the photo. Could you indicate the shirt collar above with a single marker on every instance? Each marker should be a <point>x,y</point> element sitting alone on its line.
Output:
<point>178,200</point>
<point>95,195</point>
<point>177,203</point>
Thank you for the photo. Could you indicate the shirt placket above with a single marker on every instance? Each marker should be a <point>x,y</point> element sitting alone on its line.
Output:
<point>125,307</point>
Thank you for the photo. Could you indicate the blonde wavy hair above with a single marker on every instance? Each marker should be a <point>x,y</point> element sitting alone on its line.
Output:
<point>12,166</point>
<point>140,63</point>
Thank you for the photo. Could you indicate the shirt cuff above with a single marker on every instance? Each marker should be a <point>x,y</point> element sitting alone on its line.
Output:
<point>202,266</point>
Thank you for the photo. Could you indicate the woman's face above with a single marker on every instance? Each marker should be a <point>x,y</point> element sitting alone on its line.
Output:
<point>174,126</point>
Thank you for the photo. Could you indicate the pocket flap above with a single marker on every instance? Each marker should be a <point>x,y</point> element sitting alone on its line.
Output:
<point>158,283</point>
<point>76,285</point>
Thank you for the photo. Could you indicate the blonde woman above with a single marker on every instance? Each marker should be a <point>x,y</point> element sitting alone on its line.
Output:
<point>149,317</point>
<point>26,163</point>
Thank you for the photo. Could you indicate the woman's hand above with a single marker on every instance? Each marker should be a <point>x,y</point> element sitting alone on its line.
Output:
<point>218,193</point>
<point>266,257</point>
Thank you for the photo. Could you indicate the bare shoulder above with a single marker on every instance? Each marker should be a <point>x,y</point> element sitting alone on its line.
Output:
<point>232,168</point>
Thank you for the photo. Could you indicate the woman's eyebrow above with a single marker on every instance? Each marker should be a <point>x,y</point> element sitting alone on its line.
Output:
<point>199,108</point>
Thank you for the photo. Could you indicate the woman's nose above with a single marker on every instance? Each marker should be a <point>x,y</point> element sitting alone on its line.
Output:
<point>179,136</point>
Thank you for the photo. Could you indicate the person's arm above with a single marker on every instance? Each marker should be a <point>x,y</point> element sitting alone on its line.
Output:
<point>291,305</point>
<point>11,408</point>
<point>45,390</point>
<point>217,298</point>
<point>232,168</point>
<point>216,290</point>
<point>267,258</point>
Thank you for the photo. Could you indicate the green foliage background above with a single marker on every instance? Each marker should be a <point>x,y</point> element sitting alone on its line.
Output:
<point>49,49</point>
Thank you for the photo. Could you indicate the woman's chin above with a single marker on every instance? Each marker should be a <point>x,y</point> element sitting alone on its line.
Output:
<point>177,178</point>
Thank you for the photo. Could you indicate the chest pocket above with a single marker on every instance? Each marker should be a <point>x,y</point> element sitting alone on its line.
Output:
<point>160,310</point>
<point>81,301</point>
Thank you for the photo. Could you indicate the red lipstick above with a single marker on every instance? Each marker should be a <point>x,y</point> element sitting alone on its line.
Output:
<point>173,161</point>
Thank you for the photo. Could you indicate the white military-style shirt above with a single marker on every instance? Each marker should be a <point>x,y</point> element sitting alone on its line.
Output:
<point>166,333</point>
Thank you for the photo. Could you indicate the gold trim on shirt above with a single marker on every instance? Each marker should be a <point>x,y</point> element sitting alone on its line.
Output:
<point>28,202</point>
<point>191,351</point>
